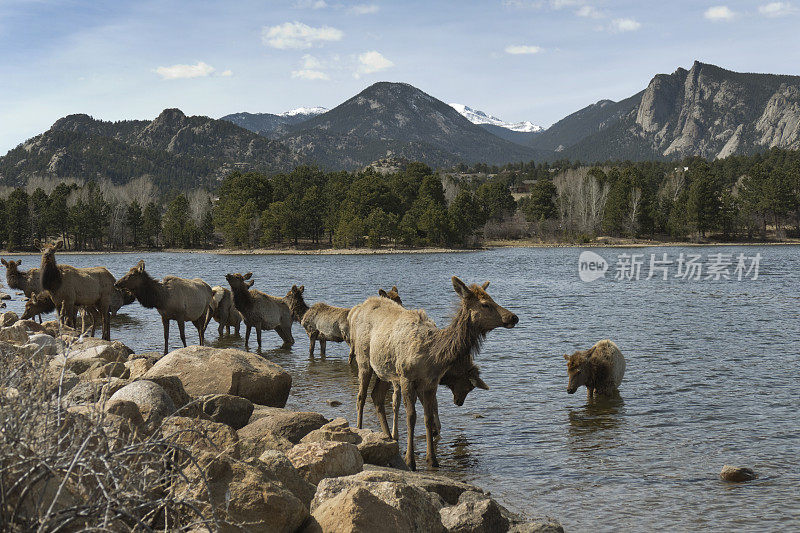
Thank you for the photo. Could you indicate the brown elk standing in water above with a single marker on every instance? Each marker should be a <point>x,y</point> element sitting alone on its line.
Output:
<point>225,312</point>
<point>178,299</point>
<point>71,287</point>
<point>325,322</point>
<point>406,348</point>
<point>260,310</point>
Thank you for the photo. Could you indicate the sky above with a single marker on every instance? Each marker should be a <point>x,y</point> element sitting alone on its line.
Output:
<point>536,60</point>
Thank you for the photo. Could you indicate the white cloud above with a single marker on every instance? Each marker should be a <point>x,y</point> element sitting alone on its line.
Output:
<point>777,9</point>
<point>363,9</point>
<point>524,4</point>
<point>589,12</point>
<point>298,35</point>
<point>310,74</point>
<point>311,62</point>
<point>625,24</point>
<point>370,62</point>
<point>561,4</point>
<point>717,13</point>
<point>310,4</point>
<point>517,49</point>
<point>175,72</point>
<point>226,73</point>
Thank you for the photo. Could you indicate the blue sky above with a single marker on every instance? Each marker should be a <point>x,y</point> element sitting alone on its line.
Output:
<point>536,60</point>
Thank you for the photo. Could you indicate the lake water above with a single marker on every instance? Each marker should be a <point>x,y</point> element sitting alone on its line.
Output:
<point>712,377</point>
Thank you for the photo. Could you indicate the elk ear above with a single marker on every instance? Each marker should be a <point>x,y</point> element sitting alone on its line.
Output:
<point>294,288</point>
<point>382,293</point>
<point>394,288</point>
<point>59,245</point>
<point>485,285</point>
<point>475,379</point>
<point>566,356</point>
<point>460,288</point>
<point>140,265</point>
<point>248,275</point>
<point>5,263</point>
<point>302,288</point>
<point>19,262</point>
<point>478,383</point>
<point>249,283</point>
<point>37,243</point>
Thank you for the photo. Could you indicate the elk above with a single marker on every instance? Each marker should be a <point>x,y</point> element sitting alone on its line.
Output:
<point>405,348</point>
<point>225,312</point>
<point>259,310</point>
<point>179,299</point>
<point>325,322</point>
<point>27,281</point>
<point>70,287</point>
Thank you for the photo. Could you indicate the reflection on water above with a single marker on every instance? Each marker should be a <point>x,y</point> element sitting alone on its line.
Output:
<point>712,371</point>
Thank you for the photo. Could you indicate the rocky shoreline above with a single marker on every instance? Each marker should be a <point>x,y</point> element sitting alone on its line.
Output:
<point>199,440</point>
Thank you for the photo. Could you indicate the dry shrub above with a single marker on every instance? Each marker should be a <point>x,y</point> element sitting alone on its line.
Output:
<point>69,468</point>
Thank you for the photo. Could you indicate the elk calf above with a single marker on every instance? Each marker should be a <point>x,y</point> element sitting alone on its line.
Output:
<point>225,312</point>
<point>600,369</point>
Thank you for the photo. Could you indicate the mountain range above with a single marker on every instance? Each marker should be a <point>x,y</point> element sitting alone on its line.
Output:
<point>706,111</point>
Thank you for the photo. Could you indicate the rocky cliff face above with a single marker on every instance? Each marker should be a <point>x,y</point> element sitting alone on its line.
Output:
<point>713,112</point>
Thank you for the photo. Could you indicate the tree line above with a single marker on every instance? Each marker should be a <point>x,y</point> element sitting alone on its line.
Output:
<point>740,197</point>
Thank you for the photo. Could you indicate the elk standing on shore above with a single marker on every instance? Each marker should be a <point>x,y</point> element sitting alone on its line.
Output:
<point>178,299</point>
<point>259,310</point>
<point>406,348</point>
<point>27,281</point>
<point>70,287</point>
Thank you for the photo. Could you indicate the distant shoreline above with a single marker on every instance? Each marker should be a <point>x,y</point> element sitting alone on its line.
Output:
<point>488,245</point>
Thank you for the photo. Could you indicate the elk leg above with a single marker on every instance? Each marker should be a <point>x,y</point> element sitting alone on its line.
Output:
<point>429,406</point>
<point>165,322</point>
<point>219,330</point>
<point>247,336</point>
<point>322,345</point>
<point>258,337</point>
<point>198,324</point>
<point>364,375</point>
<point>410,401</point>
<point>396,411</point>
<point>352,356</point>
<point>182,330</point>
<point>589,394</point>
<point>312,338</point>
<point>285,331</point>
<point>105,320</point>
<point>379,391</point>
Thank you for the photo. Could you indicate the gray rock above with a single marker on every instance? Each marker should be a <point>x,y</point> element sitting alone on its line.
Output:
<point>8,319</point>
<point>153,402</point>
<point>290,425</point>
<point>375,448</point>
<point>227,409</point>
<point>474,513</point>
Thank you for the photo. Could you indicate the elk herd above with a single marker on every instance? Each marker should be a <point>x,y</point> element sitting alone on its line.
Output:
<point>399,347</point>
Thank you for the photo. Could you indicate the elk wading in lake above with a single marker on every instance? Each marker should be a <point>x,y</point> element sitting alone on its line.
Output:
<point>70,287</point>
<point>179,299</point>
<point>260,310</point>
<point>406,348</point>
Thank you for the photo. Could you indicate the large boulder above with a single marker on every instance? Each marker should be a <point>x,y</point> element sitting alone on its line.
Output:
<point>282,468</point>
<point>290,425</point>
<point>92,349</point>
<point>244,493</point>
<point>447,489</point>
<point>475,513</point>
<point>375,448</point>
<point>227,409</point>
<point>173,386</point>
<point>107,370</point>
<point>198,434</point>
<point>254,445</point>
<point>153,402</point>
<point>49,345</point>
<point>138,367</point>
<point>358,509</point>
<point>319,460</point>
<point>417,510</point>
<point>205,370</point>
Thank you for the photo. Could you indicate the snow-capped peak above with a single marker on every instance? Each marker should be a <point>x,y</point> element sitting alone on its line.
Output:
<point>479,117</point>
<point>310,111</point>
